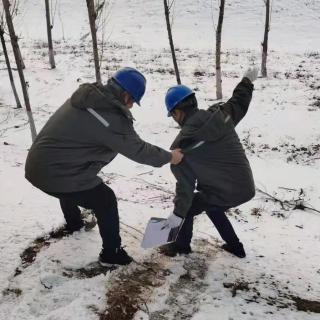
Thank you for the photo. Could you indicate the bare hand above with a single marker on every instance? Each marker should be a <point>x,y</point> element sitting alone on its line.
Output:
<point>177,156</point>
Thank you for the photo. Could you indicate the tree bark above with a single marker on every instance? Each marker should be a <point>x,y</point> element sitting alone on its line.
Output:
<point>265,41</point>
<point>5,52</point>
<point>92,20</point>
<point>15,47</point>
<point>174,59</point>
<point>49,27</point>
<point>218,51</point>
<point>20,57</point>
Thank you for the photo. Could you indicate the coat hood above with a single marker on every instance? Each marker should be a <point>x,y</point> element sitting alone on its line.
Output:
<point>203,126</point>
<point>95,96</point>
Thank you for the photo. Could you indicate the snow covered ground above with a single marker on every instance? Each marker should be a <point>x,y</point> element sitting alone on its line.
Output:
<point>281,273</point>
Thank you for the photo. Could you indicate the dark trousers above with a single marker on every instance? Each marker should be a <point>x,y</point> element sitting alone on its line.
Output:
<point>103,202</point>
<point>215,213</point>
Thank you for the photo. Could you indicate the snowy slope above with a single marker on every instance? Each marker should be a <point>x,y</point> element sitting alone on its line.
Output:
<point>280,133</point>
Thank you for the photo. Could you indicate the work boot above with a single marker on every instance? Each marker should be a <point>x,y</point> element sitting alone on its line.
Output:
<point>172,249</point>
<point>110,257</point>
<point>236,249</point>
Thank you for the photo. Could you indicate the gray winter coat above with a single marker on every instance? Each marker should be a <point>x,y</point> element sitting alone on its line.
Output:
<point>74,145</point>
<point>219,168</point>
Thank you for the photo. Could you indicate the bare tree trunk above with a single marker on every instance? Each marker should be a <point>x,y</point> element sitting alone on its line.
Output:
<point>15,47</point>
<point>14,90</point>
<point>175,64</point>
<point>49,27</point>
<point>265,40</point>
<point>20,57</point>
<point>92,20</point>
<point>218,51</point>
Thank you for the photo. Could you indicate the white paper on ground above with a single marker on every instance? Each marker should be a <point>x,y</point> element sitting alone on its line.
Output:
<point>157,234</point>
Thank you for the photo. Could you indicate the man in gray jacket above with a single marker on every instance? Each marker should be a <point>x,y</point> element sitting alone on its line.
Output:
<point>84,135</point>
<point>214,164</point>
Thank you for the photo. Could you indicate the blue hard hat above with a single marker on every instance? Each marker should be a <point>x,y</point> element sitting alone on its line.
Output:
<point>132,81</point>
<point>175,95</point>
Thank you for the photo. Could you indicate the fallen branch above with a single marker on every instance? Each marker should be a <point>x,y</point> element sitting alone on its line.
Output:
<point>154,186</point>
<point>131,227</point>
<point>289,189</point>
<point>133,236</point>
<point>309,208</point>
<point>295,204</point>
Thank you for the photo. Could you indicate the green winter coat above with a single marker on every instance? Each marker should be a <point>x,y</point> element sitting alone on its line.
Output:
<point>219,168</point>
<point>74,145</point>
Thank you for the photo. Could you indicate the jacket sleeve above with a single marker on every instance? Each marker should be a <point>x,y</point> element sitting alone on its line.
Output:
<point>133,147</point>
<point>185,187</point>
<point>237,106</point>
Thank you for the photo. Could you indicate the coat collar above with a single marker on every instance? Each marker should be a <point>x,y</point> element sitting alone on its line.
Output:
<point>112,98</point>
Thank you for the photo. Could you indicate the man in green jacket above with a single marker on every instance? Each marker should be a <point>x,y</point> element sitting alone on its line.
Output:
<point>214,164</point>
<point>84,135</point>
